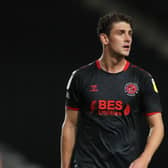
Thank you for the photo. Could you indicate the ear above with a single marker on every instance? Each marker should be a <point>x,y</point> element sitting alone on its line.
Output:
<point>104,38</point>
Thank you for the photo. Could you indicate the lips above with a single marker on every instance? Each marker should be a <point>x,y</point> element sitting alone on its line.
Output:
<point>126,46</point>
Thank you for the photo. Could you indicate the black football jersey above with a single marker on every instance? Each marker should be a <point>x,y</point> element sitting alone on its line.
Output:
<point>112,110</point>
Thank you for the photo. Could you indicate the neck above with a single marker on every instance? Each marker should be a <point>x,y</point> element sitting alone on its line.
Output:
<point>112,64</point>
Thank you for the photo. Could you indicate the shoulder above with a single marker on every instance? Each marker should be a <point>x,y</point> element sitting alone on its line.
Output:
<point>84,70</point>
<point>141,72</point>
<point>79,74</point>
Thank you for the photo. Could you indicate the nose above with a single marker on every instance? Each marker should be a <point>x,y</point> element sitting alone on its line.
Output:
<point>127,38</point>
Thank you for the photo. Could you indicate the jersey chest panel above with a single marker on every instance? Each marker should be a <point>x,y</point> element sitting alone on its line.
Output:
<point>110,95</point>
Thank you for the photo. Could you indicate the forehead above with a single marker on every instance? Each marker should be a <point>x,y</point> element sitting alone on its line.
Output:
<point>121,26</point>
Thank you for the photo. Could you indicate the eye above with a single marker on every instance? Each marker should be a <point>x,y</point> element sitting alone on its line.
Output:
<point>130,33</point>
<point>121,32</point>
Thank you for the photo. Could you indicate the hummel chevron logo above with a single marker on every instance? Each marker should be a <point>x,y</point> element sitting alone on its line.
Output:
<point>93,88</point>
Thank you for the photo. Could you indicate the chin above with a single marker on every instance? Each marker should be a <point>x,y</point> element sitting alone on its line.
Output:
<point>125,54</point>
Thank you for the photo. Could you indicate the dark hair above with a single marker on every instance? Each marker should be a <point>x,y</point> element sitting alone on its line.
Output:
<point>105,22</point>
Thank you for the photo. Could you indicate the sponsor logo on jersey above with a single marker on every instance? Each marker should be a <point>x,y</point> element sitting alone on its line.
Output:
<point>93,88</point>
<point>109,107</point>
<point>131,89</point>
<point>154,85</point>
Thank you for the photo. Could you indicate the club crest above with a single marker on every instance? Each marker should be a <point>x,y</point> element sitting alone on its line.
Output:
<point>131,89</point>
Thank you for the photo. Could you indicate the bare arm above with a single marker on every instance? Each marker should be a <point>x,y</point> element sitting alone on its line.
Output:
<point>154,139</point>
<point>68,137</point>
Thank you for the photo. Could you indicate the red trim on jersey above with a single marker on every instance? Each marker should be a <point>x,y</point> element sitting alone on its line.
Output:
<point>126,65</point>
<point>149,114</point>
<point>72,108</point>
<point>98,64</point>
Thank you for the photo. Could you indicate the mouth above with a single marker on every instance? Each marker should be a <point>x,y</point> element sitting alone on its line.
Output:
<point>127,47</point>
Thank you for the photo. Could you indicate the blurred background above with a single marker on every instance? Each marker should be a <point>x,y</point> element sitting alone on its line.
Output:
<point>40,47</point>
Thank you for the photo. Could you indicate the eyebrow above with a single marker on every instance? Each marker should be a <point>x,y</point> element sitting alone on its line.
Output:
<point>123,30</point>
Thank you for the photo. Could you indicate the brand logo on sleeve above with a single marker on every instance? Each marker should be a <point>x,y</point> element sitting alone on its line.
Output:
<point>131,89</point>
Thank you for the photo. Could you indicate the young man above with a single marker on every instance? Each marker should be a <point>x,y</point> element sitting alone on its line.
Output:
<point>106,104</point>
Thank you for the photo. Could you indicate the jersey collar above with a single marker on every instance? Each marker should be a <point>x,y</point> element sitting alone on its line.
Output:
<point>124,69</point>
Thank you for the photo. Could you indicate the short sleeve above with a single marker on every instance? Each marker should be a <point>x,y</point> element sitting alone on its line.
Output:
<point>150,97</point>
<point>72,93</point>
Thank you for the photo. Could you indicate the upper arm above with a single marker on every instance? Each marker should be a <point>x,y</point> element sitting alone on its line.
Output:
<point>73,94</point>
<point>150,96</point>
<point>71,117</point>
<point>155,120</point>
<point>72,105</point>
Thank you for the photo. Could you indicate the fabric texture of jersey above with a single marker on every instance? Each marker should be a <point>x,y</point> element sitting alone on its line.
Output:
<point>112,110</point>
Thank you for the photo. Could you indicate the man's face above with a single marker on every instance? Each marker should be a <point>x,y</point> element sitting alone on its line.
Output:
<point>120,38</point>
